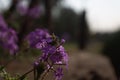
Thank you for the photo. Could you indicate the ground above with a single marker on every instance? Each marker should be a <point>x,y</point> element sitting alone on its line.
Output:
<point>83,65</point>
<point>88,66</point>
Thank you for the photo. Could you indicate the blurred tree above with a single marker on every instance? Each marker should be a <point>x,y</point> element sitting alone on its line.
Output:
<point>83,31</point>
<point>9,13</point>
<point>53,2</point>
<point>49,4</point>
<point>48,16</point>
<point>112,50</point>
<point>66,22</point>
<point>27,22</point>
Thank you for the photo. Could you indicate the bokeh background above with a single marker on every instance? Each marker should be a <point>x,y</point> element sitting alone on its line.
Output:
<point>91,29</point>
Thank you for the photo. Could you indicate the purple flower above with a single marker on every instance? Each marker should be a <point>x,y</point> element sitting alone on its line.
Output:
<point>62,41</point>
<point>9,40</point>
<point>59,74</point>
<point>59,55</point>
<point>3,25</point>
<point>34,12</point>
<point>12,41</point>
<point>36,63</point>
<point>36,39</point>
<point>41,45</point>
<point>41,39</point>
<point>8,37</point>
<point>63,52</point>
<point>48,49</point>
<point>53,53</point>
<point>22,9</point>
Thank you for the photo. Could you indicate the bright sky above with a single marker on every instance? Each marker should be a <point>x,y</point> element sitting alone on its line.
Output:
<point>4,4</point>
<point>103,15</point>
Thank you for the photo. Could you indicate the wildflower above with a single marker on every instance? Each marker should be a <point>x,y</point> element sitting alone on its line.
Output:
<point>2,23</point>
<point>8,40</point>
<point>22,9</point>
<point>53,53</point>
<point>36,37</point>
<point>59,74</point>
<point>8,37</point>
<point>62,41</point>
<point>34,12</point>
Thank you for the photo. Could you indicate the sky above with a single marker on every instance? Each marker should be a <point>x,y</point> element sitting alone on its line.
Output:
<point>4,4</point>
<point>102,15</point>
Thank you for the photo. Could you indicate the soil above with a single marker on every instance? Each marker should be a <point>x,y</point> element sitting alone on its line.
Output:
<point>82,66</point>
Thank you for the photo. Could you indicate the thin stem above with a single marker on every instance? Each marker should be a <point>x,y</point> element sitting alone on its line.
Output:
<point>26,73</point>
<point>29,71</point>
<point>45,73</point>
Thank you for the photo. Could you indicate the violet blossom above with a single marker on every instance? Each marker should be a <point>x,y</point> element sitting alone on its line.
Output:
<point>9,40</point>
<point>2,22</point>
<point>8,37</point>
<point>33,12</point>
<point>59,74</point>
<point>53,53</point>
<point>22,9</point>
<point>36,37</point>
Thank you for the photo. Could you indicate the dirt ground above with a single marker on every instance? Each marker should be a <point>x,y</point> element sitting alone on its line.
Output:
<point>88,66</point>
<point>82,66</point>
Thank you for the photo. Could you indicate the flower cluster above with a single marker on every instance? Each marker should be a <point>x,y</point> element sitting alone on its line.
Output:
<point>22,9</point>
<point>8,37</point>
<point>36,37</point>
<point>33,12</point>
<point>53,53</point>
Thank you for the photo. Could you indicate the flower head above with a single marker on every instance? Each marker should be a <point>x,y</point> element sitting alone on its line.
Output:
<point>53,53</point>
<point>8,37</point>
<point>3,25</point>
<point>37,37</point>
<point>22,9</point>
<point>59,74</point>
<point>34,12</point>
<point>8,40</point>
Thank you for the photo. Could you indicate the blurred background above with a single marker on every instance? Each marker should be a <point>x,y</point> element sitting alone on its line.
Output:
<point>91,29</point>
